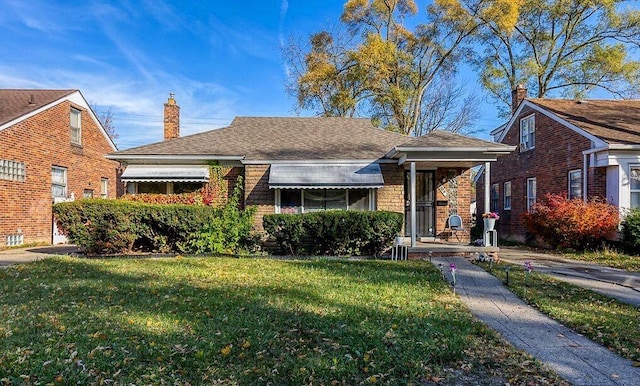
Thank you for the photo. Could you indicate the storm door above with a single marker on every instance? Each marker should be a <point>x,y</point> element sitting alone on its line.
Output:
<point>425,203</point>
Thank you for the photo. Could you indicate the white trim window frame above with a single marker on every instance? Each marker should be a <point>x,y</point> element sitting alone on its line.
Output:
<point>104,187</point>
<point>507,195</point>
<point>531,193</point>
<point>301,207</point>
<point>634,186</point>
<point>58,182</point>
<point>528,132</point>
<point>75,125</point>
<point>574,184</point>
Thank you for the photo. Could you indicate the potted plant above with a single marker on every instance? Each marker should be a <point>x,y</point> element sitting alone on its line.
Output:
<point>489,220</point>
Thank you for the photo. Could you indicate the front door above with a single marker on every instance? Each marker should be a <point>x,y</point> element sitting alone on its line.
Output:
<point>425,198</point>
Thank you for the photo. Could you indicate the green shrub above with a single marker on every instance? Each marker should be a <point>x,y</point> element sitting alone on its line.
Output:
<point>334,232</point>
<point>385,226</point>
<point>115,226</point>
<point>228,232</point>
<point>572,223</point>
<point>288,230</point>
<point>119,226</point>
<point>630,233</point>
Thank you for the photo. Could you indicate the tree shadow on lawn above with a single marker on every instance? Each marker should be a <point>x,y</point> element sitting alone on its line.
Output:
<point>82,321</point>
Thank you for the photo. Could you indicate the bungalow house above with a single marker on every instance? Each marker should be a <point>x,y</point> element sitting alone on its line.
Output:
<point>297,165</point>
<point>581,148</point>
<point>52,148</point>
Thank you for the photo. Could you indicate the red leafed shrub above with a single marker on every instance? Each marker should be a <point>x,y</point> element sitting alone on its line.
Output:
<point>195,198</point>
<point>572,223</point>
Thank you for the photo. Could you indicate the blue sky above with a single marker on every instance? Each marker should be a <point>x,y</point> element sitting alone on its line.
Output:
<point>221,58</point>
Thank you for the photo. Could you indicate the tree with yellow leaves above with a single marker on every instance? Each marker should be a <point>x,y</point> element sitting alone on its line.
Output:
<point>567,48</point>
<point>390,70</point>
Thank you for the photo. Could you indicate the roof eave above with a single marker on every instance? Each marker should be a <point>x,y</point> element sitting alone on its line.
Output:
<point>124,157</point>
<point>506,149</point>
<point>612,146</point>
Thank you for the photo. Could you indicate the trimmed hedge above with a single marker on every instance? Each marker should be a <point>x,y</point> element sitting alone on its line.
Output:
<point>336,233</point>
<point>630,233</point>
<point>117,226</point>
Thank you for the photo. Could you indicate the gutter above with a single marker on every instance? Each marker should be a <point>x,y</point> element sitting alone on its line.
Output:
<point>175,157</point>
<point>613,146</point>
<point>492,150</point>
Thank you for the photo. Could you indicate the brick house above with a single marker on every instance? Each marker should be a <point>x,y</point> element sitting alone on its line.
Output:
<point>52,147</point>
<point>579,148</point>
<point>296,165</point>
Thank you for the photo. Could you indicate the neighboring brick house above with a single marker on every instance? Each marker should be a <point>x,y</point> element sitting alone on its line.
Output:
<point>578,148</point>
<point>309,164</point>
<point>52,147</point>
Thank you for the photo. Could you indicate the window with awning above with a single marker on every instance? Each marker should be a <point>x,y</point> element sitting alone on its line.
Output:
<point>161,173</point>
<point>310,188</point>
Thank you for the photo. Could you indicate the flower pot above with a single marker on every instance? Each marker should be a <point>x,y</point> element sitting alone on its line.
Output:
<point>489,224</point>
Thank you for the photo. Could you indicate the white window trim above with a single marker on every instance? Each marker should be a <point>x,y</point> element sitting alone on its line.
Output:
<point>528,191</point>
<point>104,183</point>
<point>505,207</point>
<point>66,181</point>
<point>74,110</point>
<point>525,146</point>
<point>278,200</point>
<point>569,183</point>
<point>631,191</point>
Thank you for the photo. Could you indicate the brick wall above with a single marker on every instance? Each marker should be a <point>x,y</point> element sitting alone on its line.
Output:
<point>257,192</point>
<point>558,150</point>
<point>391,196</point>
<point>171,119</point>
<point>43,141</point>
<point>228,182</point>
<point>597,182</point>
<point>462,177</point>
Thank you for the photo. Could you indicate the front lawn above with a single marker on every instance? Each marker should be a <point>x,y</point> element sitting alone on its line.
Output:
<point>235,321</point>
<point>600,318</point>
<point>609,258</point>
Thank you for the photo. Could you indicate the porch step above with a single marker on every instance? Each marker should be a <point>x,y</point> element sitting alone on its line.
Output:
<point>426,250</point>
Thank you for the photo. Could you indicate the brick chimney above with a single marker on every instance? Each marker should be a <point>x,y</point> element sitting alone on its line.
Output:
<point>517,96</point>
<point>171,119</point>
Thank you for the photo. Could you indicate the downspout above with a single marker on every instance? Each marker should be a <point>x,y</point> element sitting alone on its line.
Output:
<point>585,169</point>
<point>487,184</point>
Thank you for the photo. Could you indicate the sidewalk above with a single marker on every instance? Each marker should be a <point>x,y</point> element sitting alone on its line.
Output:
<point>25,255</point>
<point>574,357</point>
<point>616,283</point>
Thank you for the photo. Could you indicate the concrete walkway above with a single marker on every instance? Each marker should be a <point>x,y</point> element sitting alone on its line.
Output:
<point>574,357</point>
<point>616,283</point>
<point>25,255</point>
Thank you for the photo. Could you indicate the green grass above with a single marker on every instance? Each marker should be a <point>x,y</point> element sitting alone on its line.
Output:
<point>609,258</point>
<point>244,321</point>
<point>600,318</point>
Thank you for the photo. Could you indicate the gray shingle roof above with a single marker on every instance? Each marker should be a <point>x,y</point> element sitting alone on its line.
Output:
<point>613,121</point>
<point>446,139</point>
<point>261,138</point>
<point>15,103</point>
<point>289,139</point>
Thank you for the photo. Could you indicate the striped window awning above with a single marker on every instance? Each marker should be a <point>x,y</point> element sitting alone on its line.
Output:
<point>163,173</point>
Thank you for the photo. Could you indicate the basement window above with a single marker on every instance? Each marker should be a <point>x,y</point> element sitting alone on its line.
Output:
<point>12,170</point>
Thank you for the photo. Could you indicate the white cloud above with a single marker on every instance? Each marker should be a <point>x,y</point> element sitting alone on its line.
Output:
<point>137,104</point>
